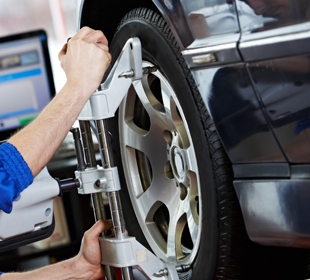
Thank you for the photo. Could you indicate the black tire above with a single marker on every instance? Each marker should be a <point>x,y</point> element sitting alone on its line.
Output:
<point>224,241</point>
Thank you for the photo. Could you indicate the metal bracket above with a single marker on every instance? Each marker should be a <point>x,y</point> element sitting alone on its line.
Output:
<point>120,251</point>
<point>95,180</point>
<point>129,252</point>
<point>128,67</point>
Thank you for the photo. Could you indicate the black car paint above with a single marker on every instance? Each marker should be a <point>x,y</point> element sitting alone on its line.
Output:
<point>249,102</point>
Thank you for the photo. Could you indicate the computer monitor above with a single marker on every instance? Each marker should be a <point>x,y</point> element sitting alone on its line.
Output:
<point>26,81</point>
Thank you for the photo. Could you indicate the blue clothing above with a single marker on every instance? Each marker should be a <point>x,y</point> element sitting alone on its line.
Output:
<point>15,176</point>
<point>302,124</point>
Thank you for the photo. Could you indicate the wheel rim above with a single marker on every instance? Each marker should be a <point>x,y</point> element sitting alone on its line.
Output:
<point>161,169</point>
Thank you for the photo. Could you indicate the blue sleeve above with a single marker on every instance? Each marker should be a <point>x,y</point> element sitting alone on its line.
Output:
<point>15,176</point>
<point>302,124</point>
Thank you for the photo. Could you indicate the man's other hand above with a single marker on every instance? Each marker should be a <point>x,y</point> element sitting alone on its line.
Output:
<point>89,258</point>
<point>85,58</point>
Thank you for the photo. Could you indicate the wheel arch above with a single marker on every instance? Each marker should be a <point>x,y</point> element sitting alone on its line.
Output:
<point>106,15</point>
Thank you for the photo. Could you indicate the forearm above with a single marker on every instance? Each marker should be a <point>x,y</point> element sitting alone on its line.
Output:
<point>84,59</point>
<point>86,265</point>
<point>66,270</point>
<point>39,140</point>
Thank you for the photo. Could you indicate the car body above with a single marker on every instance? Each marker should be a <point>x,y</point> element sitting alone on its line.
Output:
<point>250,62</point>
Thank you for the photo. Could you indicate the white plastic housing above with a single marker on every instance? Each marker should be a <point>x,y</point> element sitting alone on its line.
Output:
<point>33,209</point>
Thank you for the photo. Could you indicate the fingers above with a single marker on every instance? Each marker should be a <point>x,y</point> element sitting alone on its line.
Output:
<point>98,228</point>
<point>91,36</point>
<point>109,59</point>
<point>86,55</point>
<point>107,224</point>
<point>82,32</point>
<point>63,51</point>
<point>96,36</point>
<point>103,46</point>
<point>113,232</point>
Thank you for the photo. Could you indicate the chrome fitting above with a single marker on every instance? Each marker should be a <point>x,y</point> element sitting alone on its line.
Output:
<point>101,183</point>
<point>148,70</point>
<point>161,273</point>
<point>131,73</point>
<point>94,180</point>
<point>127,74</point>
<point>183,268</point>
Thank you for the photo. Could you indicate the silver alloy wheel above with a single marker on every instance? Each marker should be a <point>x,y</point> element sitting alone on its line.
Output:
<point>161,169</point>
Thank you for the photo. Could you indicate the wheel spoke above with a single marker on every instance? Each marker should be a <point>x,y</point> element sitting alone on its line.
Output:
<point>162,190</point>
<point>160,115</point>
<point>134,139</point>
<point>144,93</point>
<point>189,155</point>
<point>166,96</point>
<point>193,228</point>
<point>172,236</point>
<point>152,145</point>
<point>176,226</point>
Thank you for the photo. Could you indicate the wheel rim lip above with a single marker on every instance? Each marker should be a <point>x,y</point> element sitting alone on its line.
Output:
<point>129,175</point>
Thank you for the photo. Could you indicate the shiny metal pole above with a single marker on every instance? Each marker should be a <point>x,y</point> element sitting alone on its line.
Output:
<point>96,198</point>
<point>114,198</point>
<point>88,144</point>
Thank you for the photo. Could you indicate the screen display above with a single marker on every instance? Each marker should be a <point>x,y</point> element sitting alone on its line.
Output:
<point>26,83</point>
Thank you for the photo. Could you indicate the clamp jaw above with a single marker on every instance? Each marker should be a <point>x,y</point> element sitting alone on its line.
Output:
<point>95,180</point>
<point>129,252</point>
<point>128,67</point>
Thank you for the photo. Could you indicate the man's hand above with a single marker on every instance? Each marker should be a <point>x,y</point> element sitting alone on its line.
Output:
<point>85,58</point>
<point>86,265</point>
<point>89,257</point>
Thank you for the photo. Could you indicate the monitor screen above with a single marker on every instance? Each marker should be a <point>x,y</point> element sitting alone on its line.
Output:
<point>26,81</point>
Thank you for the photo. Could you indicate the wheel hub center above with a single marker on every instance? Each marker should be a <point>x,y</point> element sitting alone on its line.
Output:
<point>179,167</point>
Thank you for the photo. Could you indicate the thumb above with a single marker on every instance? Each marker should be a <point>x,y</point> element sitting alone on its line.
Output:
<point>63,52</point>
<point>99,227</point>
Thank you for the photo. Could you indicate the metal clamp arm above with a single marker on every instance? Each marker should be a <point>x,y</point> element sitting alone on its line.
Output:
<point>128,67</point>
<point>95,180</point>
<point>129,252</point>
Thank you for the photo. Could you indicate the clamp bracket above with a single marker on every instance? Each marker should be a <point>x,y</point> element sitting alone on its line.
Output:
<point>129,252</point>
<point>95,180</point>
<point>128,67</point>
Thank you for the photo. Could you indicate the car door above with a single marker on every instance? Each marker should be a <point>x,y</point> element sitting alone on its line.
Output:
<point>209,46</point>
<point>274,43</point>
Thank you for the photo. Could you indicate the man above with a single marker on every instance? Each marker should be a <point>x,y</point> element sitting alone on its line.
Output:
<point>84,59</point>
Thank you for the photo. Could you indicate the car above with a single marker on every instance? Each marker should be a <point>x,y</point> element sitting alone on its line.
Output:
<point>213,147</point>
